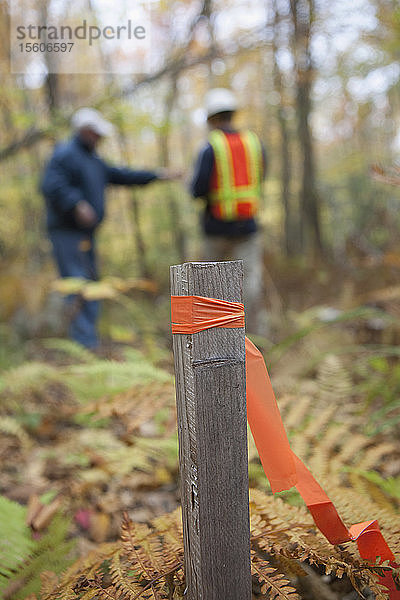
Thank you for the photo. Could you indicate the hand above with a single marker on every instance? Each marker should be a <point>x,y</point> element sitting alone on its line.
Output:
<point>390,175</point>
<point>169,174</point>
<point>85,215</point>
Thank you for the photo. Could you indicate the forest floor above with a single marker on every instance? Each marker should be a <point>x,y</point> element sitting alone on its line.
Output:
<point>95,435</point>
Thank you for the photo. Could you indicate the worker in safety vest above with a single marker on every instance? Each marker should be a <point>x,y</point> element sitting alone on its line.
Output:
<point>229,175</point>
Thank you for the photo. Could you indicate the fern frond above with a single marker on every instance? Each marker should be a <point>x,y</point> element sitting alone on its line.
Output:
<point>367,488</point>
<point>89,595</point>
<point>133,405</point>
<point>89,565</point>
<point>297,543</point>
<point>390,485</point>
<point>112,593</point>
<point>59,592</point>
<point>49,580</point>
<point>272,582</point>
<point>102,377</point>
<point>354,511</point>
<point>109,593</point>
<point>353,447</point>
<point>10,426</point>
<point>122,581</point>
<point>70,348</point>
<point>169,528</point>
<point>374,455</point>
<point>333,380</point>
<point>320,422</point>
<point>145,564</point>
<point>31,375</point>
<point>323,455</point>
<point>132,589</point>
<point>16,542</point>
<point>298,412</point>
<point>76,580</point>
<point>273,510</point>
<point>142,549</point>
<point>51,552</point>
<point>291,568</point>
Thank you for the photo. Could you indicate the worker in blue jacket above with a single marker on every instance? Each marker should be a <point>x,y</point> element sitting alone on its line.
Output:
<point>73,185</point>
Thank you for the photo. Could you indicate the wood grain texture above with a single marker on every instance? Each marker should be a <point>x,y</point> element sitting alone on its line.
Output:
<point>212,430</point>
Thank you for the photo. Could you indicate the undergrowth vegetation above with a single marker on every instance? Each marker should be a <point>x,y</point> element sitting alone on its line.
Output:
<point>93,442</point>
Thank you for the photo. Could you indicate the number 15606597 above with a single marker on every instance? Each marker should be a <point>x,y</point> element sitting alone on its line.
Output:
<point>43,47</point>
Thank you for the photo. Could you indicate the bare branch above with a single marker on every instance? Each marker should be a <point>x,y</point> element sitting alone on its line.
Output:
<point>174,66</point>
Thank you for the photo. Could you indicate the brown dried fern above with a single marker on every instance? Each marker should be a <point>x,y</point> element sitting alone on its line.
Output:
<point>121,579</point>
<point>143,552</point>
<point>76,578</point>
<point>298,542</point>
<point>133,405</point>
<point>272,582</point>
<point>298,411</point>
<point>147,563</point>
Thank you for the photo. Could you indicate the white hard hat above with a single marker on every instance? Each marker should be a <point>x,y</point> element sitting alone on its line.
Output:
<point>220,100</point>
<point>92,119</point>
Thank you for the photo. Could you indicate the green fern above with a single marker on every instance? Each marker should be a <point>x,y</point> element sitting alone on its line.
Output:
<point>16,542</point>
<point>110,377</point>
<point>10,426</point>
<point>69,348</point>
<point>390,486</point>
<point>52,552</point>
<point>30,375</point>
<point>87,379</point>
<point>22,558</point>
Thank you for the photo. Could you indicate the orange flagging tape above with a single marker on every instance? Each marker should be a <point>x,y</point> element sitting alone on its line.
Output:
<point>192,314</point>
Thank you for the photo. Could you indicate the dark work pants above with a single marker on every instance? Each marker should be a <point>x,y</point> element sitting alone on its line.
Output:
<point>75,255</point>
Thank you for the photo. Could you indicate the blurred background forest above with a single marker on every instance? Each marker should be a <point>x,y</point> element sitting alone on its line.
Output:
<point>319,81</point>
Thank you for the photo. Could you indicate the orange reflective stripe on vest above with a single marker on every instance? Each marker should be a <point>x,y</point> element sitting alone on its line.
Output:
<point>236,182</point>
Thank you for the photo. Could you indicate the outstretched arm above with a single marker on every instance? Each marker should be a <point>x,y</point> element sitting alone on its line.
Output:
<point>125,176</point>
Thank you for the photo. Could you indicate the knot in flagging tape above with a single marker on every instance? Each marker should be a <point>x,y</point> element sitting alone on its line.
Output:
<point>193,314</point>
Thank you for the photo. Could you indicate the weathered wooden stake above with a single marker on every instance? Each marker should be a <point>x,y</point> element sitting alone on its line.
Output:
<point>211,403</point>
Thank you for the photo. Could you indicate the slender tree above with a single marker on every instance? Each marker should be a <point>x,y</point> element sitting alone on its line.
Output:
<point>52,80</point>
<point>303,15</point>
<point>291,240</point>
<point>177,228</point>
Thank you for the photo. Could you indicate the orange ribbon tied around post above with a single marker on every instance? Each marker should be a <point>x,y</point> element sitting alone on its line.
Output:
<point>192,314</point>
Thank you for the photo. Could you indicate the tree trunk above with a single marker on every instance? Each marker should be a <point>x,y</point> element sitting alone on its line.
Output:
<point>139,239</point>
<point>50,58</point>
<point>290,239</point>
<point>302,13</point>
<point>172,202</point>
<point>134,210</point>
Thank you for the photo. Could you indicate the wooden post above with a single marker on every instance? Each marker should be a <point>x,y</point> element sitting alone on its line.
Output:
<point>211,404</point>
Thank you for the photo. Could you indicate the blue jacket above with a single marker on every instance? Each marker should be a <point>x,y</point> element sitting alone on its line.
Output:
<point>200,187</point>
<point>76,173</point>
